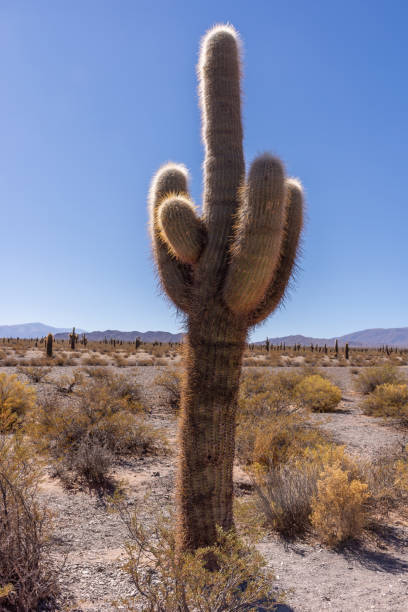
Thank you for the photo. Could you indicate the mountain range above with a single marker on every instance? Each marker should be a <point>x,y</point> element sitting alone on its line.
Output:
<point>38,330</point>
<point>32,330</point>
<point>395,336</point>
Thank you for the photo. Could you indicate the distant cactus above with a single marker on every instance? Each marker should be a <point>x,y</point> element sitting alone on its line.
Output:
<point>336,348</point>
<point>227,270</point>
<point>48,345</point>
<point>346,351</point>
<point>73,337</point>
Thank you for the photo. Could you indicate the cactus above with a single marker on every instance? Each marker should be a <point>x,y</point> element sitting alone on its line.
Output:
<point>346,351</point>
<point>73,337</point>
<point>48,345</point>
<point>227,271</point>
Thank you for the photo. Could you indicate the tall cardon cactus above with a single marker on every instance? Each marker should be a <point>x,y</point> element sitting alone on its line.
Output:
<point>226,270</point>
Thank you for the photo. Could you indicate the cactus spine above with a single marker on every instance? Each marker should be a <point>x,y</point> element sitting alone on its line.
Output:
<point>227,271</point>
<point>48,345</point>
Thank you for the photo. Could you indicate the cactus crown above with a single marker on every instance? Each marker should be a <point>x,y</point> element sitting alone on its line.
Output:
<point>242,250</point>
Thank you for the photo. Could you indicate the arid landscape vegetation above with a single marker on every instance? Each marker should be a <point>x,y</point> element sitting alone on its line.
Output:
<point>214,469</point>
<point>88,455</point>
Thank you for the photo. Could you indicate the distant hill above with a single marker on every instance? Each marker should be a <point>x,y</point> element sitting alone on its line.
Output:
<point>396,336</point>
<point>31,330</point>
<point>149,336</point>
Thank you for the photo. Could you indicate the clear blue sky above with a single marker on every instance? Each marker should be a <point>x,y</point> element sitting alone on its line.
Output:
<point>96,94</point>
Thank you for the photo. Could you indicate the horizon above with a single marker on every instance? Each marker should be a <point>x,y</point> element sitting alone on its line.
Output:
<point>86,126</point>
<point>181,331</point>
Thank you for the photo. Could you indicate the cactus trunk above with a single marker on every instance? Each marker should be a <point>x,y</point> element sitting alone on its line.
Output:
<point>207,428</point>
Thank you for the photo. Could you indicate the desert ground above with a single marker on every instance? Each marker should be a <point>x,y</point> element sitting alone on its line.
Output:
<point>367,573</point>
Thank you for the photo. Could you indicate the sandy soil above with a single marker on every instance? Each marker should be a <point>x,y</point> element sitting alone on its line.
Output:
<point>373,576</point>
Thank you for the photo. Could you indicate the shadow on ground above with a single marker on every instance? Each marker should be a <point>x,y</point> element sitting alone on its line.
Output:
<point>377,560</point>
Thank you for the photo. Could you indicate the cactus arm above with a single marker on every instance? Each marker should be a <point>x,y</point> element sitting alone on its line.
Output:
<point>290,249</point>
<point>256,248</point>
<point>175,277</point>
<point>219,72</point>
<point>181,229</point>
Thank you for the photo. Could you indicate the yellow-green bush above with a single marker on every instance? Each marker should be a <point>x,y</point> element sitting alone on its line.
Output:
<point>318,394</point>
<point>338,509</point>
<point>16,398</point>
<point>388,400</point>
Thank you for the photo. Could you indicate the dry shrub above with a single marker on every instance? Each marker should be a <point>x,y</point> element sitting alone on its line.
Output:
<point>278,439</point>
<point>285,491</point>
<point>269,429</point>
<point>284,495</point>
<point>10,362</point>
<point>144,362</point>
<point>161,361</point>
<point>27,572</point>
<point>16,398</point>
<point>85,437</point>
<point>318,394</point>
<point>401,471</point>
<point>170,382</point>
<point>92,462</point>
<point>97,372</point>
<point>387,477</point>
<point>166,580</point>
<point>34,373</point>
<point>67,383</point>
<point>338,509</point>
<point>120,360</point>
<point>94,360</point>
<point>388,400</point>
<point>63,360</point>
<point>370,378</point>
